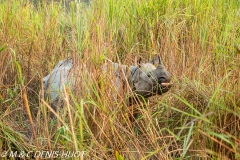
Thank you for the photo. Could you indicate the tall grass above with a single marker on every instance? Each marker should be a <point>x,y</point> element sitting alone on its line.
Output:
<point>197,40</point>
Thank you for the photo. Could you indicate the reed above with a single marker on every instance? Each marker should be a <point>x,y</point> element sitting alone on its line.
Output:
<point>197,40</point>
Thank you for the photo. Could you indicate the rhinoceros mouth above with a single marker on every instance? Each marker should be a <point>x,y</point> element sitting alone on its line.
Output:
<point>168,85</point>
<point>157,89</point>
<point>163,88</point>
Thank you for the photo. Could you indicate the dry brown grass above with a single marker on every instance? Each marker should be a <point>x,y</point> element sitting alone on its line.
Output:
<point>197,42</point>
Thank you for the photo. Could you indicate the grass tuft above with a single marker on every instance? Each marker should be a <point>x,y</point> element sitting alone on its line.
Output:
<point>197,40</point>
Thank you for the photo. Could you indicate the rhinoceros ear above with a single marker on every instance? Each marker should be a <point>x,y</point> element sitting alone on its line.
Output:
<point>138,61</point>
<point>156,60</point>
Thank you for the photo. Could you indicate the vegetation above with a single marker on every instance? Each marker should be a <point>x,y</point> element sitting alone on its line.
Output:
<point>198,41</point>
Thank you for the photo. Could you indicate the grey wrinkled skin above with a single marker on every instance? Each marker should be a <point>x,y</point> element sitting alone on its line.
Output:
<point>148,79</point>
<point>54,81</point>
<point>145,80</point>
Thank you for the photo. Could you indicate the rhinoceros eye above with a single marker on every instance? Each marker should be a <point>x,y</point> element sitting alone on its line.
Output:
<point>149,75</point>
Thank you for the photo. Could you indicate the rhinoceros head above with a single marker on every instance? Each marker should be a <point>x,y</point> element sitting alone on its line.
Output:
<point>151,78</point>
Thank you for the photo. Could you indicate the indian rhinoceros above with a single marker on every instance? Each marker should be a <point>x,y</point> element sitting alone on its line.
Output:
<point>145,80</point>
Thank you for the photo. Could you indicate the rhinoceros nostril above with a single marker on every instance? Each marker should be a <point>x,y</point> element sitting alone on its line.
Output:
<point>162,80</point>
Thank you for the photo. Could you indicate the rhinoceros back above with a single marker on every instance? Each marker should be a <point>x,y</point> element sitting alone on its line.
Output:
<point>53,82</point>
